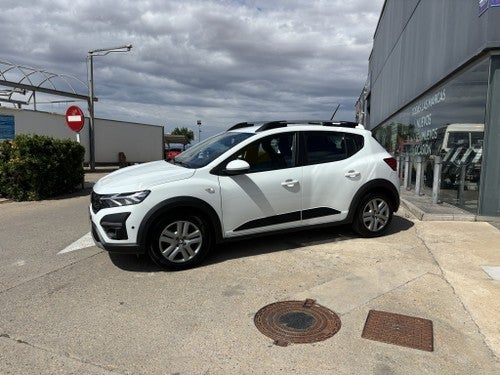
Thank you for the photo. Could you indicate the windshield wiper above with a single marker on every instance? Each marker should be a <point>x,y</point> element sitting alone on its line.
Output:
<point>181,163</point>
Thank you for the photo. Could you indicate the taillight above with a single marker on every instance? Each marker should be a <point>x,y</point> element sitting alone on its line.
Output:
<point>391,162</point>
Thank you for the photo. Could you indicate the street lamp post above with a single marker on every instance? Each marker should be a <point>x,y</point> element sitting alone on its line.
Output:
<point>199,130</point>
<point>90,56</point>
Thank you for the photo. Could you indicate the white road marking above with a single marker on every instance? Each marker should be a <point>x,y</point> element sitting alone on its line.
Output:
<point>492,271</point>
<point>74,118</point>
<point>82,243</point>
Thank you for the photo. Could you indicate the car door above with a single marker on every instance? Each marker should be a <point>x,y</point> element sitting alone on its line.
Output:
<point>332,174</point>
<point>267,196</point>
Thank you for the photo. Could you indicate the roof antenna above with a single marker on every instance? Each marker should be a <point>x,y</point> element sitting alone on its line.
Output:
<point>334,112</point>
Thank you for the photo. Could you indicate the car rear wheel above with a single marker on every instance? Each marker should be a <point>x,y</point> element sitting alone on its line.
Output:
<point>180,242</point>
<point>373,215</point>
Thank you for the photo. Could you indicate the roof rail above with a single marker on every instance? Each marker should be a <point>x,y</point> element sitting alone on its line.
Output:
<point>240,125</point>
<point>266,125</point>
<point>345,124</point>
<point>272,125</point>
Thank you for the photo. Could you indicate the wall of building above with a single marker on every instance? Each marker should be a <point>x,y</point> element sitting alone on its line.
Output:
<point>490,202</point>
<point>139,142</point>
<point>420,42</point>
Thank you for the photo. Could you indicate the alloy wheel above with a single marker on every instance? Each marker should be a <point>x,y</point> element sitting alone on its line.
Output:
<point>180,241</point>
<point>376,214</point>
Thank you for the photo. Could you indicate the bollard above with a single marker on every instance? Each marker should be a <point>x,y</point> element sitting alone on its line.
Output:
<point>419,175</point>
<point>436,181</point>
<point>122,160</point>
<point>461,186</point>
<point>406,181</point>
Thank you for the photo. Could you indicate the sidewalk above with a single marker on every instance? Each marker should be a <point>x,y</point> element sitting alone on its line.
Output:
<point>424,210</point>
<point>91,177</point>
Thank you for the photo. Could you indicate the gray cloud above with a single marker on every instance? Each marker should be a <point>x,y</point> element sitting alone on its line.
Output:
<point>218,61</point>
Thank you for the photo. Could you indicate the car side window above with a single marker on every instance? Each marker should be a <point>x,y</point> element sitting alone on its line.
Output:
<point>270,153</point>
<point>326,147</point>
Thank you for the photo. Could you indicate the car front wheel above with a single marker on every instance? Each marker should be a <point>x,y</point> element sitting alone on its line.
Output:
<point>373,215</point>
<point>180,242</point>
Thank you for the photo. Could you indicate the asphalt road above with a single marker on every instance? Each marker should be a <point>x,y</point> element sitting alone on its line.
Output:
<point>32,233</point>
<point>84,311</point>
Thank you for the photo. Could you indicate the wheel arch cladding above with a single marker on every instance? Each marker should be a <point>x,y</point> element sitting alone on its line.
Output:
<point>194,205</point>
<point>375,186</point>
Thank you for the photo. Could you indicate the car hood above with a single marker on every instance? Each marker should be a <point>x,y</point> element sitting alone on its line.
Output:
<point>141,177</point>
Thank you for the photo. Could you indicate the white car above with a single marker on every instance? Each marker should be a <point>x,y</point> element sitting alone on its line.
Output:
<point>254,178</point>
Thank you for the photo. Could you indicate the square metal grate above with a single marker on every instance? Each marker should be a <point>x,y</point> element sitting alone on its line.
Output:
<point>397,329</point>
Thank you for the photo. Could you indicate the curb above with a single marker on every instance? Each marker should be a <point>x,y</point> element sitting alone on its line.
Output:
<point>425,216</point>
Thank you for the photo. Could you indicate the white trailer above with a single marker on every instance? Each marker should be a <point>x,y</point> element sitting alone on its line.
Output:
<point>139,142</point>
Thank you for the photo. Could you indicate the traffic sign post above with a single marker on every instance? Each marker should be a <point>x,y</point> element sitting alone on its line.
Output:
<point>75,120</point>
<point>199,130</point>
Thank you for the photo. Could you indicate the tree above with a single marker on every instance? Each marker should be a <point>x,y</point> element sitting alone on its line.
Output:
<point>184,131</point>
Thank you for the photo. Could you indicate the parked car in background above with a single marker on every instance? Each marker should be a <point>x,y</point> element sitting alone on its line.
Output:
<point>255,178</point>
<point>460,146</point>
<point>171,153</point>
<point>463,135</point>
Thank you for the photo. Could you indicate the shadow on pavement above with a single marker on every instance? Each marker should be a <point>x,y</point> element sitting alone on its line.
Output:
<point>399,224</point>
<point>261,245</point>
<point>134,263</point>
<point>293,240</point>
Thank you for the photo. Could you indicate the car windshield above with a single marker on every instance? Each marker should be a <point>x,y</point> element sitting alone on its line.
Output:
<point>205,152</point>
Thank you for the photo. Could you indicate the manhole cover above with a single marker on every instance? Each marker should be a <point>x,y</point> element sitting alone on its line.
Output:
<point>297,322</point>
<point>403,330</point>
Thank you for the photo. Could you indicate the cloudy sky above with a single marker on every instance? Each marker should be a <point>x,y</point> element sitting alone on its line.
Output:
<point>218,61</point>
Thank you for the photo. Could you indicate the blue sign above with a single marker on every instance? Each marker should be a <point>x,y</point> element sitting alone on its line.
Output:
<point>6,127</point>
<point>495,3</point>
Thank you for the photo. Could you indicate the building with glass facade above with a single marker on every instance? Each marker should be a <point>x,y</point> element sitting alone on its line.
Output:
<point>433,90</point>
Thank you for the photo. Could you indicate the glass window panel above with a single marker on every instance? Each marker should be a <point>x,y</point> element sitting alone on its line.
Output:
<point>448,122</point>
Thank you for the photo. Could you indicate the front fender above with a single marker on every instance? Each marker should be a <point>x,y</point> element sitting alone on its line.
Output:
<point>177,203</point>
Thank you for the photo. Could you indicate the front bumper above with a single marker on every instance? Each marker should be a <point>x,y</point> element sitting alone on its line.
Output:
<point>110,233</point>
<point>127,248</point>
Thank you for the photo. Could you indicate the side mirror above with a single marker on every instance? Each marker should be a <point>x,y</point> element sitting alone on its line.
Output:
<point>236,167</point>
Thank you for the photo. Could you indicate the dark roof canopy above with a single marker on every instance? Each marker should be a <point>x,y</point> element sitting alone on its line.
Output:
<point>176,139</point>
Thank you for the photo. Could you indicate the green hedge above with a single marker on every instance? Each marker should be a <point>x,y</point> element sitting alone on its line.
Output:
<point>34,167</point>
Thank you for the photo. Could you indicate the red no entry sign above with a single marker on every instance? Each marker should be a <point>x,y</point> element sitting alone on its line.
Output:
<point>75,118</point>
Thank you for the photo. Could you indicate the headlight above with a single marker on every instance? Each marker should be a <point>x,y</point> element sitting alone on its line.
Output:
<point>117,200</point>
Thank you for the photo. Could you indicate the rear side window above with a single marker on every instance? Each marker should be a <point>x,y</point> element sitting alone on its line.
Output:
<point>326,147</point>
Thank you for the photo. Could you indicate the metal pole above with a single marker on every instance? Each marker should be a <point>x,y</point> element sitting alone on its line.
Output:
<point>418,178</point>
<point>91,114</point>
<point>436,181</point>
<point>406,183</point>
<point>461,187</point>
<point>91,54</point>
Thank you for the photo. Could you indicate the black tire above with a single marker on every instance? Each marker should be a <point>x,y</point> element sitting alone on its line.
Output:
<point>373,215</point>
<point>180,241</point>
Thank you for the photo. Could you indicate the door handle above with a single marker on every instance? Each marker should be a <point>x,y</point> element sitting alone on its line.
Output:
<point>289,183</point>
<point>352,174</point>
